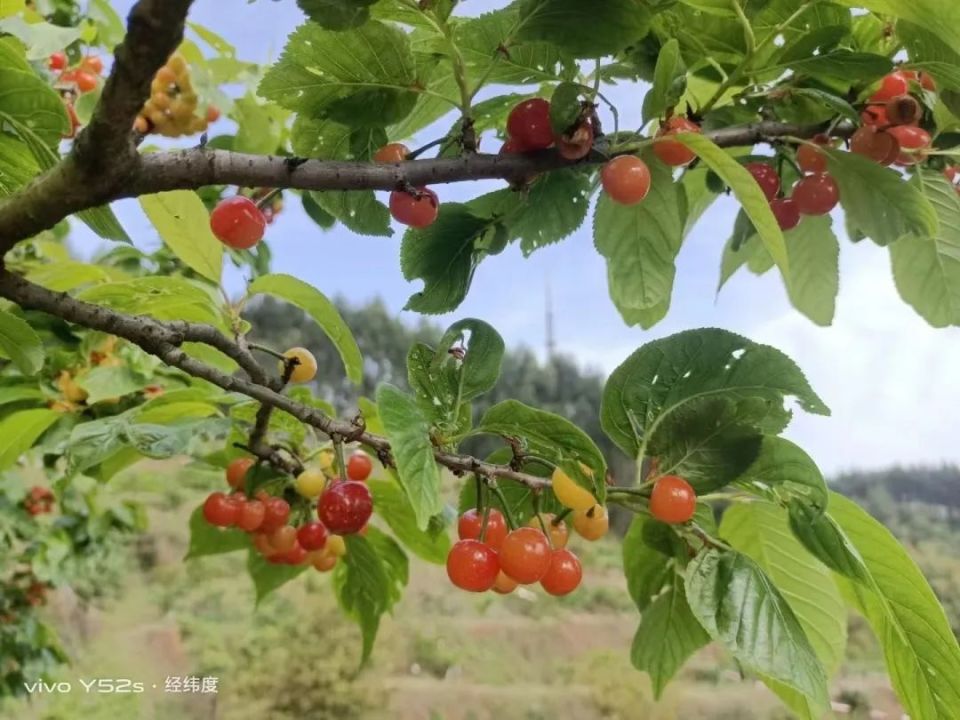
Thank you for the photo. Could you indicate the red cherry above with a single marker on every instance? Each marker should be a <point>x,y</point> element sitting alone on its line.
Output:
<point>237,471</point>
<point>891,86</point>
<point>472,565</point>
<point>418,212</point>
<point>296,555</point>
<point>391,153</point>
<point>875,115</point>
<point>816,194</point>
<point>212,114</point>
<point>57,61</point>
<point>251,515</point>
<point>237,222</point>
<point>512,145</point>
<point>276,513</point>
<point>904,110</point>
<point>345,507</point>
<point>312,536</point>
<point>86,81</point>
<point>878,145</point>
<point>673,500</point>
<point>564,574</point>
<point>529,123</point>
<point>626,179</point>
<point>525,555</point>
<point>220,510</point>
<point>950,173</point>
<point>93,64</point>
<point>766,177</point>
<point>359,466</point>
<point>910,137</point>
<point>786,212</point>
<point>471,523</point>
<point>927,82</point>
<point>811,159</point>
<point>671,152</point>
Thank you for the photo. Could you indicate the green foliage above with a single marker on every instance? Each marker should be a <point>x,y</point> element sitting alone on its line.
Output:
<point>184,226</point>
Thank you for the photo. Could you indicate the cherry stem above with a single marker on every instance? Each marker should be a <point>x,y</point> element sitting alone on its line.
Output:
<point>269,351</point>
<point>268,198</point>
<point>338,449</point>
<point>561,516</point>
<point>495,489</point>
<point>414,154</point>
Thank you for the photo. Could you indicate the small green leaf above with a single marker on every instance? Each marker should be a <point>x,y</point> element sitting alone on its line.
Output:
<point>783,472</point>
<point>183,223</point>
<point>565,107</point>
<point>20,430</point>
<point>826,541</point>
<point>878,201</point>
<point>584,29</point>
<point>647,569</point>
<point>20,392</point>
<point>842,64</point>
<point>480,39</point>
<point>669,81</point>
<point>940,17</point>
<point>20,343</point>
<point>813,279</point>
<point>268,576</point>
<point>358,210</point>
<point>205,539</point>
<point>409,435</point>
<point>105,382</point>
<point>480,367</point>
<point>363,588</point>
<point>739,606</point>
<point>746,190</point>
<point>394,507</point>
<point>325,314</point>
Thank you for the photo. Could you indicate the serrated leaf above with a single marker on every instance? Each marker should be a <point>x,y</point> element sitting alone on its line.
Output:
<point>640,244</point>
<point>783,472</point>
<point>739,606</point>
<point>646,568</point>
<point>746,190</point>
<point>20,343</point>
<point>409,435</point>
<point>442,255</point>
<point>841,64</point>
<point>665,374</point>
<point>926,268</point>
<point>20,430</point>
<point>555,206</point>
<point>834,102</point>
<point>921,651</point>
<point>669,81</point>
<point>813,279</point>
<point>826,541</point>
<point>32,102</point>
<point>324,313</point>
<point>183,223</point>
<point>878,201</point>
<point>482,41</point>
<point>205,539</point>
<point>584,29</point>
<point>363,588</point>
<point>17,165</point>
<point>337,14</point>
<point>480,367</point>
<point>361,77</point>
<point>394,507</point>
<point>268,576</point>
<point>552,437</point>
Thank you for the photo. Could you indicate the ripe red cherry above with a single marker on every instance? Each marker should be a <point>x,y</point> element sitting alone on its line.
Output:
<point>312,536</point>
<point>251,515</point>
<point>391,153</point>
<point>359,466</point>
<point>786,212</point>
<point>673,500</point>
<point>276,513</point>
<point>927,82</point>
<point>875,115</point>
<point>237,471</point>
<point>512,145</point>
<point>296,555</point>
<point>57,61</point>
<point>878,145</point>
<point>86,81</point>
<point>237,222</point>
<point>472,565</point>
<point>816,194</point>
<point>891,86</point>
<point>671,152</point>
<point>471,524</point>
<point>525,555</point>
<point>626,179</point>
<point>220,510</point>
<point>564,574</point>
<point>529,123</point>
<point>910,137</point>
<point>577,144</point>
<point>92,63</point>
<point>811,159</point>
<point>345,507</point>
<point>766,177</point>
<point>418,212</point>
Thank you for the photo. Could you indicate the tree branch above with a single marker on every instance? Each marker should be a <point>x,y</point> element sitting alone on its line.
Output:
<point>164,340</point>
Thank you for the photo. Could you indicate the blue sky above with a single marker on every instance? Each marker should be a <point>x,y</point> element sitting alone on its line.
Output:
<point>891,380</point>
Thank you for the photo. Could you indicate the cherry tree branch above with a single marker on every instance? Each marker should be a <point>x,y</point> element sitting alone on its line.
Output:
<point>165,340</point>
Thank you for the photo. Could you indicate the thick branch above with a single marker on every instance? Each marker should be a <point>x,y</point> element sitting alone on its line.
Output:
<point>164,340</point>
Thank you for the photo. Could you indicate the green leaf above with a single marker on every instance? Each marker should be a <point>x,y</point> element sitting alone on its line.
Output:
<point>363,588</point>
<point>325,314</point>
<point>552,437</point>
<point>841,64</point>
<point>435,387</point>
<point>746,190</point>
<point>926,268</point>
<point>667,636</point>
<point>394,507</point>
<point>931,54</point>
<point>519,498</point>
<point>259,126</point>
<point>205,539</point>
<point>17,165</point>
<point>396,564</point>
<point>20,343</point>
<point>361,77</point>
<point>647,568</point>
<point>442,255</point>
<point>268,576</point>
<point>41,38</point>
<point>663,375</point>
<point>183,223</point>
<point>20,430</point>
<point>832,102</point>
<point>110,28</point>
<point>556,205</point>
<point>64,275</point>
<point>337,14</point>
<point>409,435</point>
<point>759,530</point>
<point>105,382</point>
<point>358,210</point>
<point>739,606</point>
<point>480,41</point>
<point>20,392</point>
<point>878,201</point>
<point>31,101</point>
<point>480,367</point>
<point>565,107</point>
<point>813,279</point>
<point>783,472</point>
<point>669,81</point>
<point>13,54</point>
<point>941,17</point>
<point>920,649</point>
<point>584,29</point>
<point>640,244</point>
<point>164,298</point>
<point>826,541</point>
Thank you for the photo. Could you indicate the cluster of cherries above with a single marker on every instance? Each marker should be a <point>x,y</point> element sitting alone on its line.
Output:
<point>74,81</point>
<point>343,508</point>
<point>22,590</point>
<point>171,109</point>
<point>39,501</point>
